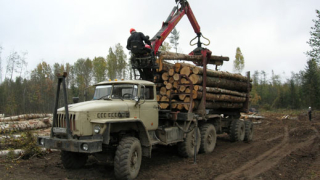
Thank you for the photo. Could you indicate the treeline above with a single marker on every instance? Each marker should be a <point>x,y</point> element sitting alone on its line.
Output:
<point>35,92</point>
<point>300,91</point>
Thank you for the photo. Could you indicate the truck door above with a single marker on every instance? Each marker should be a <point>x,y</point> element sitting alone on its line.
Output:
<point>149,109</point>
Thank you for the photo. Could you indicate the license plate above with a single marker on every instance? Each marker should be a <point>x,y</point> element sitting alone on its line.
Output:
<point>60,130</point>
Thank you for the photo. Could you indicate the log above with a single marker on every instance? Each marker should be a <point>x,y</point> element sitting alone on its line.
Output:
<point>186,70</point>
<point>215,105</point>
<point>169,86</point>
<point>177,56</point>
<point>177,67</point>
<point>165,82</point>
<point>158,97</point>
<point>182,88</point>
<point>175,84</point>
<point>220,91</point>
<point>171,72</point>
<point>27,125</point>
<point>184,81</point>
<point>218,97</point>
<point>220,74</point>
<point>221,83</point>
<point>163,91</point>
<point>20,152</point>
<point>165,76</point>
<point>176,77</point>
<point>24,117</point>
<point>171,80</point>
<point>163,102</point>
<point>163,65</point>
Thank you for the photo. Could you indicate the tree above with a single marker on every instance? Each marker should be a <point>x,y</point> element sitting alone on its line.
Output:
<point>121,59</point>
<point>165,46</point>
<point>111,64</point>
<point>0,65</point>
<point>314,41</point>
<point>99,69</point>
<point>174,39</point>
<point>311,81</point>
<point>238,63</point>
<point>83,74</point>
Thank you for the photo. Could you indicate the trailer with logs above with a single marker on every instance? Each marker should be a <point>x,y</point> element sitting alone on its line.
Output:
<point>179,104</point>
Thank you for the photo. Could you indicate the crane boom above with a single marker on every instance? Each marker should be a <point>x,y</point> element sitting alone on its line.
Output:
<point>172,20</point>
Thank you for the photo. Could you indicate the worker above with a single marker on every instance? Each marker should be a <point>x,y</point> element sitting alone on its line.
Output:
<point>136,43</point>
<point>310,113</point>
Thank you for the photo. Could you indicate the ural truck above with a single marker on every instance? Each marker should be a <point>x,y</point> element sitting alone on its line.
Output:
<point>124,121</point>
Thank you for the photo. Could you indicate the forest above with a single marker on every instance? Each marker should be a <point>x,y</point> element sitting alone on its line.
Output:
<point>34,92</point>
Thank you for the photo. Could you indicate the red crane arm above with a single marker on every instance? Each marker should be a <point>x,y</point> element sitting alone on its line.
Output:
<point>173,19</point>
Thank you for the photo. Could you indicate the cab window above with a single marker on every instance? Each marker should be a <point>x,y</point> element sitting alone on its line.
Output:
<point>147,92</point>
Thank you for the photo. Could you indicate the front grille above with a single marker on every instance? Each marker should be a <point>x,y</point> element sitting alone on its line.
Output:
<point>62,121</point>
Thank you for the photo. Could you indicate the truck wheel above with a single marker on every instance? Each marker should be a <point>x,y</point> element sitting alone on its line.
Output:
<point>248,131</point>
<point>208,138</point>
<point>73,160</point>
<point>186,148</point>
<point>128,157</point>
<point>237,130</point>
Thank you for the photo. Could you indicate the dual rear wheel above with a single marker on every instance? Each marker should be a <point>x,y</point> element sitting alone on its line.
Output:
<point>241,130</point>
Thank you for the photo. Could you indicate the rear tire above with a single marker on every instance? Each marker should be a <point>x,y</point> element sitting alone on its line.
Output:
<point>73,160</point>
<point>248,131</point>
<point>208,138</point>
<point>237,130</point>
<point>128,157</point>
<point>186,148</point>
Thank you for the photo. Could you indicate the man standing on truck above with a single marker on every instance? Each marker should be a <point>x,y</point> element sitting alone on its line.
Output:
<point>136,42</point>
<point>310,113</point>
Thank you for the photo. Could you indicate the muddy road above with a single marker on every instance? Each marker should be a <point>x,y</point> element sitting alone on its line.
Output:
<point>281,149</point>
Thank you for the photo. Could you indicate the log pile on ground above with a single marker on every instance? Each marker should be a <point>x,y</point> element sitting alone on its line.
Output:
<point>18,133</point>
<point>224,90</point>
<point>25,122</point>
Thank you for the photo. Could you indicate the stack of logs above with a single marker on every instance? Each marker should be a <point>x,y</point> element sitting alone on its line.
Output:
<point>223,90</point>
<point>25,122</point>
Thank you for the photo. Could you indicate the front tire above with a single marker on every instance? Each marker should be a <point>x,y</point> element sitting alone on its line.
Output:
<point>128,157</point>
<point>237,130</point>
<point>73,160</point>
<point>208,138</point>
<point>186,148</point>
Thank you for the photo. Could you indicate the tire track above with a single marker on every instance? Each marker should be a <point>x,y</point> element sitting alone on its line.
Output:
<point>268,159</point>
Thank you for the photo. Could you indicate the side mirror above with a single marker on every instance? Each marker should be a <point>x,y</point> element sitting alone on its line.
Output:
<point>75,100</point>
<point>147,37</point>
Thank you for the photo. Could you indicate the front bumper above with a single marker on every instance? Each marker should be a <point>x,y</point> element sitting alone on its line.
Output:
<point>73,145</point>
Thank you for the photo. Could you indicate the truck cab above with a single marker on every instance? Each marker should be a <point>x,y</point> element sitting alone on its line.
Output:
<point>122,116</point>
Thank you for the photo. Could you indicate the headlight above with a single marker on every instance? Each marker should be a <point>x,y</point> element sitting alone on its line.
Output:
<point>97,129</point>
<point>85,147</point>
<point>41,141</point>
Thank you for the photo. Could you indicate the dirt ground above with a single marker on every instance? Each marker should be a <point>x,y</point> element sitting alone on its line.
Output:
<point>281,149</point>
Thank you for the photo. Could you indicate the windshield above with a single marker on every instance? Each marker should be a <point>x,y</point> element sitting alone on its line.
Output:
<point>116,91</point>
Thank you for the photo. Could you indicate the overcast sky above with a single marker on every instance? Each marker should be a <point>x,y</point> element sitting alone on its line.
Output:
<point>271,34</point>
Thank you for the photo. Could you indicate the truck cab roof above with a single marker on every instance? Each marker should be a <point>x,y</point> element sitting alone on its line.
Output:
<point>125,82</point>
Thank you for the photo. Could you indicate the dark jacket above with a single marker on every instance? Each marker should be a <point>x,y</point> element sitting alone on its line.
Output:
<point>137,36</point>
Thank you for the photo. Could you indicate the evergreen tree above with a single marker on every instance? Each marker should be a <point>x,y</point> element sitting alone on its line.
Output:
<point>0,65</point>
<point>311,81</point>
<point>314,41</point>
<point>111,64</point>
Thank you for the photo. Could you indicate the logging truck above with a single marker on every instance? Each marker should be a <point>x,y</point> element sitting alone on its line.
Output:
<point>180,104</point>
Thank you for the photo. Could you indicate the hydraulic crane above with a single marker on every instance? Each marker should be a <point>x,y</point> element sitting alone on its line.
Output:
<point>147,65</point>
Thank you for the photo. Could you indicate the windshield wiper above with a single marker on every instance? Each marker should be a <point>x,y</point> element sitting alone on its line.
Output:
<point>108,97</point>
